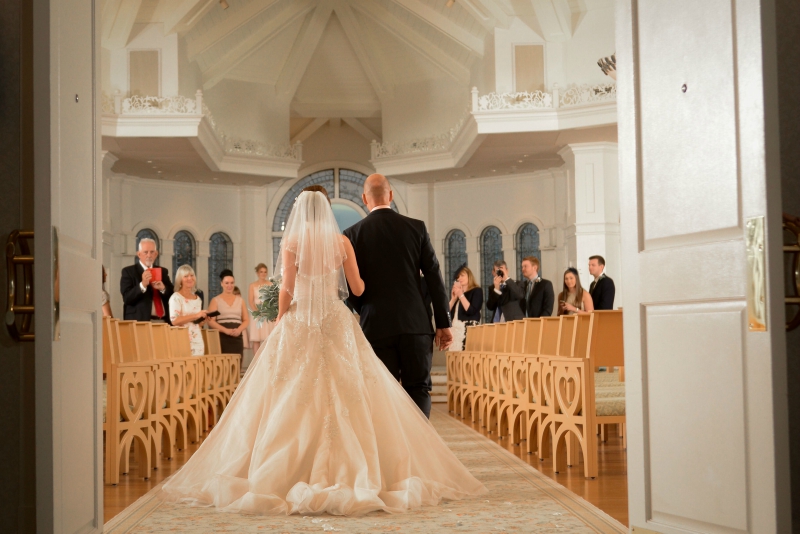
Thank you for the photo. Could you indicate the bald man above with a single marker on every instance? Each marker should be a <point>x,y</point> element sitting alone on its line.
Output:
<point>391,250</point>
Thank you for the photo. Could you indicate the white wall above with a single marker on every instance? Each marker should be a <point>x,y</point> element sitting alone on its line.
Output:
<point>144,37</point>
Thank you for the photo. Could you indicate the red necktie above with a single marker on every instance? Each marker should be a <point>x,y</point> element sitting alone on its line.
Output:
<point>157,303</point>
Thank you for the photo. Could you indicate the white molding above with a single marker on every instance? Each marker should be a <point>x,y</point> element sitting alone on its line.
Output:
<point>362,129</point>
<point>366,110</point>
<point>544,120</point>
<point>355,35</point>
<point>309,130</point>
<point>186,14</point>
<point>300,55</point>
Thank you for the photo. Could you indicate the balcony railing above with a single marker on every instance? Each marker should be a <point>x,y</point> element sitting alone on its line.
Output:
<point>144,106</point>
<point>576,95</point>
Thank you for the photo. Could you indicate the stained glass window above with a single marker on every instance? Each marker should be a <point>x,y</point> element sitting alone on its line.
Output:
<point>491,251</point>
<point>220,258</point>
<point>324,178</point>
<point>183,250</point>
<point>527,244</point>
<point>455,254</point>
<point>147,232</point>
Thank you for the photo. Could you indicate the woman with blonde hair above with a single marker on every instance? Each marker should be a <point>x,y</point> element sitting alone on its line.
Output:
<point>573,300</point>
<point>258,331</point>
<point>466,300</point>
<point>185,308</point>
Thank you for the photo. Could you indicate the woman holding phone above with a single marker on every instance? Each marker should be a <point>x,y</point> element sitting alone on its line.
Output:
<point>573,300</point>
<point>233,317</point>
<point>185,308</point>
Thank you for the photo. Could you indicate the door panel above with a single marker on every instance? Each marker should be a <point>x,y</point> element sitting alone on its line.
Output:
<point>706,412</point>
<point>68,368</point>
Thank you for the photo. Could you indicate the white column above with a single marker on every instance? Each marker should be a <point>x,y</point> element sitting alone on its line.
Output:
<point>593,214</point>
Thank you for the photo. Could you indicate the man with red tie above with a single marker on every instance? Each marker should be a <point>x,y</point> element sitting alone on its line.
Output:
<point>146,289</point>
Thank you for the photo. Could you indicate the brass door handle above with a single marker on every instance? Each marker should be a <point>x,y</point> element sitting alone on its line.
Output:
<point>19,316</point>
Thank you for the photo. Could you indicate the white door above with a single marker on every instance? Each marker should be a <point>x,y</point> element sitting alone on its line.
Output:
<point>67,248</point>
<point>707,449</point>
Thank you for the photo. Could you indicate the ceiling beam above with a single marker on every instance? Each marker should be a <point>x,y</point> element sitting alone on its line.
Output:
<point>226,27</point>
<point>294,10</point>
<point>412,38</point>
<point>555,19</point>
<point>309,130</point>
<point>361,128</point>
<point>304,47</point>
<point>186,14</point>
<point>355,35</point>
<point>118,19</point>
<point>487,13</point>
<point>443,23</point>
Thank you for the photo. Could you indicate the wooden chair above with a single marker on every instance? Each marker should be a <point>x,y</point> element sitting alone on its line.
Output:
<point>516,409</point>
<point>578,409</point>
<point>532,401</point>
<point>453,364</point>
<point>548,348</point>
<point>127,419</point>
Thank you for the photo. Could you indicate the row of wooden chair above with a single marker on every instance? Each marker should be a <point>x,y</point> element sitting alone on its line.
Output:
<point>158,397</point>
<point>534,380</point>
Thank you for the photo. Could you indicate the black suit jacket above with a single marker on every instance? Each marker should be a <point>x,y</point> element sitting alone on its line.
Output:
<point>508,300</point>
<point>541,300</point>
<point>603,293</point>
<point>391,249</point>
<point>138,305</point>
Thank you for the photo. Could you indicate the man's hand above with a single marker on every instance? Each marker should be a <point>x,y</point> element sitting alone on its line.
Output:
<point>444,337</point>
<point>146,277</point>
<point>159,285</point>
<point>498,281</point>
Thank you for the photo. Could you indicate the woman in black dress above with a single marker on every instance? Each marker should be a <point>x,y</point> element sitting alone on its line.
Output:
<point>466,300</point>
<point>233,318</point>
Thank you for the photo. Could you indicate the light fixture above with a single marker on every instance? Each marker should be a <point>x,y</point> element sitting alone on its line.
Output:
<point>223,4</point>
<point>450,3</point>
<point>608,65</point>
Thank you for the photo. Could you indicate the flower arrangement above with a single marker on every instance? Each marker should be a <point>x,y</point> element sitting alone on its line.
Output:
<point>268,309</point>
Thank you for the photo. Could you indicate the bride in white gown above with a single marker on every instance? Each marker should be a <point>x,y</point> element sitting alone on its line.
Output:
<point>318,424</point>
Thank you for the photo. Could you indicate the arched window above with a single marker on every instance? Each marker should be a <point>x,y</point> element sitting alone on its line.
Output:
<point>491,251</point>
<point>527,244</point>
<point>183,250</point>
<point>150,234</point>
<point>455,254</point>
<point>344,187</point>
<point>220,258</point>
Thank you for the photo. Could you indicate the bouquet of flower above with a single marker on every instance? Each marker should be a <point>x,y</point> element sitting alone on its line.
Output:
<point>268,309</point>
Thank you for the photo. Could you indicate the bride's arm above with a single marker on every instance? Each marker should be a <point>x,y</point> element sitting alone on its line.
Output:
<point>287,285</point>
<point>351,268</point>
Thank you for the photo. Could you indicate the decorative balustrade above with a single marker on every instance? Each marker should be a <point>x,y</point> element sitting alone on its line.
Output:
<point>433,143</point>
<point>180,105</point>
<point>575,95</point>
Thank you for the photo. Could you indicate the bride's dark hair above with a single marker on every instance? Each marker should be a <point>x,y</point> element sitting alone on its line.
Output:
<point>318,188</point>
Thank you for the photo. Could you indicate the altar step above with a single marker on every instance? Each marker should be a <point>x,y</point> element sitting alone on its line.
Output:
<point>439,378</point>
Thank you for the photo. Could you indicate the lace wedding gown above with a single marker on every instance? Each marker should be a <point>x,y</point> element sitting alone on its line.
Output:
<point>318,424</point>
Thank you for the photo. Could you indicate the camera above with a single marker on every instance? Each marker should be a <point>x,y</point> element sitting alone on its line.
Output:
<point>500,273</point>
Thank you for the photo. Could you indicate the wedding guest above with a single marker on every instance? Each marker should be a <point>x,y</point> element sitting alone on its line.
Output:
<point>503,299</point>
<point>233,318</point>
<point>185,308</point>
<point>602,288</point>
<point>145,297</point>
<point>573,299</point>
<point>466,300</point>
<point>258,331</point>
<point>537,300</point>
<point>105,298</point>
<point>466,297</point>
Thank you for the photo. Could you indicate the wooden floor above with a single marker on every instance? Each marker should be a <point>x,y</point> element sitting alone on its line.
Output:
<point>609,491</point>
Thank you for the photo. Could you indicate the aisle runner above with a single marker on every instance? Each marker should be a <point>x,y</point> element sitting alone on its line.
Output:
<point>520,499</point>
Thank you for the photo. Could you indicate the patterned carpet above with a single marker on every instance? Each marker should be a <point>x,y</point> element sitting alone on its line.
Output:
<point>520,499</point>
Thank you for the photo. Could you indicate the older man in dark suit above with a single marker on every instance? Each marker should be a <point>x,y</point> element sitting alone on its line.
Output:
<point>144,298</point>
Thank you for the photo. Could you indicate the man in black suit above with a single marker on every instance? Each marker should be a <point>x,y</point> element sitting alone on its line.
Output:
<point>538,297</point>
<point>602,288</point>
<point>391,250</point>
<point>504,299</point>
<point>145,299</point>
